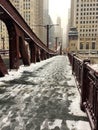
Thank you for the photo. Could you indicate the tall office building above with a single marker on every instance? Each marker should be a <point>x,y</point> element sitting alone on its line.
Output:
<point>32,12</point>
<point>35,13</point>
<point>46,18</point>
<point>58,29</point>
<point>85,19</point>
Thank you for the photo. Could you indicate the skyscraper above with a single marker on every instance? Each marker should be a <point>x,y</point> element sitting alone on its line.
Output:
<point>46,19</point>
<point>85,19</point>
<point>32,12</point>
<point>35,13</point>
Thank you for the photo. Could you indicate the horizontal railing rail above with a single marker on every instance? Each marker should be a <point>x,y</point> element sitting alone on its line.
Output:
<point>87,79</point>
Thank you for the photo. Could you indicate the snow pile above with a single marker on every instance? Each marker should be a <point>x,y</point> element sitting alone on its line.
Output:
<point>78,125</point>
<point>95,67</point>
<point>51,125</point>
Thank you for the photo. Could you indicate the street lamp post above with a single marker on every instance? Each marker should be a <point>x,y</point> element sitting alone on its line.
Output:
<point>47,28</point>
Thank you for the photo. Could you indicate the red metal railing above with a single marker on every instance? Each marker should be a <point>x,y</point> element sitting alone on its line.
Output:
<point>87,79</point>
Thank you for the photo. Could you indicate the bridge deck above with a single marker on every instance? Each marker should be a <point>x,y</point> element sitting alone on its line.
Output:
<point>41,96</point>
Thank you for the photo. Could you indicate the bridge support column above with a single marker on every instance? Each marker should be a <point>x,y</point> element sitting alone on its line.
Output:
<point>42,55</point>
<point>24,51</point>
<point>32,52</point>
<point>45,55</point>
<point>16,46</point>
<point>48,55</point>
<point>14,52</point>
<point>37,54</point>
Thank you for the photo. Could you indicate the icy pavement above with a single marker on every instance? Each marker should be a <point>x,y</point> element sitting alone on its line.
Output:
<point>42,96</point>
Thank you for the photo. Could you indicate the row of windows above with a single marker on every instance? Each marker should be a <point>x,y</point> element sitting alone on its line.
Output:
<point>73,38</point>
<point>87,0</point>
<point>87,13</point>
<point>87,9</point>
<point>87,18</point>
<point>87,45</point>
<point>88,30</point>
<point>16,1</point>
<point>86,22</point>
<point>88,39</point>
<point>87,5</point>
<point>26,0</point>
<point>84,35</point>
<point>88,26</point>
<point>73,44</point>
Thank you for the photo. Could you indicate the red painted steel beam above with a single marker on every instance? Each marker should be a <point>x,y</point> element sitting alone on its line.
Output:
<point>24,51</point>
<point>32,48</point>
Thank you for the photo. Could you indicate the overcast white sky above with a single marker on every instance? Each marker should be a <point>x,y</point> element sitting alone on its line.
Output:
<point>59,8</point>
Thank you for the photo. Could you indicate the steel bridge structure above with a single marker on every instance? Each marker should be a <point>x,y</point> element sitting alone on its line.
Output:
<point>19,32</point>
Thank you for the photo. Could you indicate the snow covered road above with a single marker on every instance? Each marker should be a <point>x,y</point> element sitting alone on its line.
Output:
<point>42,96</point>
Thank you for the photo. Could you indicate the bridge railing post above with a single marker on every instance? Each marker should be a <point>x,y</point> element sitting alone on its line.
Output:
<point>73,63</point>
<point>32,52</point>
<point>84,83</point>
<point>24,51</point>
<point>78,71</point>
<point>70,58</point>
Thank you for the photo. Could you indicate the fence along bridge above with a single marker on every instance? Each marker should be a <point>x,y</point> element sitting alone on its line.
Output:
<point>19,32</point>
<point>87,82</point>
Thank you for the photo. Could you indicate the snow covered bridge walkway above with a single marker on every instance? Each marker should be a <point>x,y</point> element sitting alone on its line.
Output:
<point>42,96</point>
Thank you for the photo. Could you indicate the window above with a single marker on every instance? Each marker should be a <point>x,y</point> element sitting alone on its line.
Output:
<point>81,45</point>
<point>93,45</point>
<point>87,45</point>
